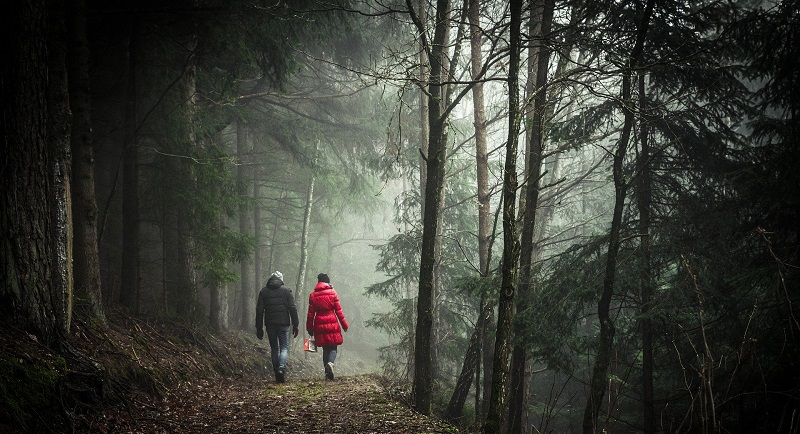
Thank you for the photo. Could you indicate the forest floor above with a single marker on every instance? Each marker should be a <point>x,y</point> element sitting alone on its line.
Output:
<point>165,377</point>
<point>349,404</point>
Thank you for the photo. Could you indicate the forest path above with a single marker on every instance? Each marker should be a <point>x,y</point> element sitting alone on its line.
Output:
<point>163,376</point>
<point>349,404</point>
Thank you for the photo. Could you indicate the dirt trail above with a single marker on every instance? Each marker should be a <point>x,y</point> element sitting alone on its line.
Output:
<point>354,404</point>
<point>166,377</point>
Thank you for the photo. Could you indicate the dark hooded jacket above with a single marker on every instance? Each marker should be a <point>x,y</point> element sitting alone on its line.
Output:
<point>276,306</point>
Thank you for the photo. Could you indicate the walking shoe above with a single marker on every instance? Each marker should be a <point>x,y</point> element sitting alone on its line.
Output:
<point>279,376</point>
<point>329,370</point>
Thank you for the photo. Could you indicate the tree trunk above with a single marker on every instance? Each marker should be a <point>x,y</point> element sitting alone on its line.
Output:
<point>435,164</point>
<point>455,407</point>
<point>257,273</point>
<point>409,289</point>
<point>540,24</point>
<point>35,282</point>
<point>472,358</point>
<point>248,290</point>
<point>217,300</point>
<point>86,264</point>
<point>301,269</point>
<point>180,281</point>
<point>487,346</point>
<point>216,319</point>
<point>424,133</point>
<point>598,382</point>
<point>553,167</point>
<point>129,274</point>
<point>424,103</point>
<point>500,376</point>
<point>643,200</point>
<point>481,154</point>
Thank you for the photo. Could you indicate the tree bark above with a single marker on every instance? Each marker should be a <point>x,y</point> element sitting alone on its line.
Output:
<point>435,165</point>
<point>598,382</point>
<point>179,284</point>
<point>487,358</point>
<point>35,280</point>
<point>472,358</point>
<point>643,202</point>
<point>540,24</point>
<point>455,406</point>
<point>301,269</point>
<point>257,273</point>
<point>248,290</point>
<point>217,301</point>
<point>424,103</point>
<point>180,281</point>
<point>481,153</point>
<point>129,274</point>
<point>86,264</point>
<point>500,376</point>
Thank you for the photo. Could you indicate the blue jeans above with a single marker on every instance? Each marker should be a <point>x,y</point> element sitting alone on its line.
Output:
<point>328,354</point>
<point>278,337</point>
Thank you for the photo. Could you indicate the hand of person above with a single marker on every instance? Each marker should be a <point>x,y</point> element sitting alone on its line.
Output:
<point>310,333</point>
<point>260,334</point>
<point>345,329</point>
<point>295,331</point>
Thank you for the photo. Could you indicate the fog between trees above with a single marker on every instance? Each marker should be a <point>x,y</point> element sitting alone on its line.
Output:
<point>539,216</point>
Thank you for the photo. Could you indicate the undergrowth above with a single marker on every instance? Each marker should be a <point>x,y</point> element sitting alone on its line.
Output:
<point>44,391</point>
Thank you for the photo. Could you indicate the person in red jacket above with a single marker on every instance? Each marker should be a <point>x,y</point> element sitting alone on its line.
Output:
<point>323,322</point>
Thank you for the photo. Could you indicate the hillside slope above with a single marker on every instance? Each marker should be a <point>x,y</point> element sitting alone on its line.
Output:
<point>165,377</point>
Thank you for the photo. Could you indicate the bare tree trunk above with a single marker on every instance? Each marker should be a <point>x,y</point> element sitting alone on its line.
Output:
<point>424,103</point>
<point>553,167</point>
<point>86,264</point>
<point>409,326</point>
<point>36,279</point>
<point>500,376</point>
<point>216,299</point>
<point>218,289</point>
<point>181,285</point>
<point>472,358</point>
<point>257,272</point>
<point>217,296</point>
<point>435,164</point>
<point>424,133</point>
<point>301,269</point>
<point>129,275</point>
<point>247,289</point>
<point>455,407</point>
<point>437,284</point>
<point>598,382</point>
<point>275,230</point>
<point>178,274</point>
<point>540,24</point>
<point>481,154</point>
<point>643,200</point>
<point>487,359</point>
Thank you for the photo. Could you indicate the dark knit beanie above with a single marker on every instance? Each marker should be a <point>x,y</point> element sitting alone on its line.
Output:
<point>322,277</point>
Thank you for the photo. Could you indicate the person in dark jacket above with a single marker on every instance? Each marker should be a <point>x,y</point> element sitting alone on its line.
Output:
<point>277,312</point>
<point>323,322</point>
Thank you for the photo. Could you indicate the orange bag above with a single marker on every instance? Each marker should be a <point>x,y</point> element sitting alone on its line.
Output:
<point>308,345</point>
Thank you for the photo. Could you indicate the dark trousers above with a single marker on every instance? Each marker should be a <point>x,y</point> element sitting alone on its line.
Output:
<point>328,354</point>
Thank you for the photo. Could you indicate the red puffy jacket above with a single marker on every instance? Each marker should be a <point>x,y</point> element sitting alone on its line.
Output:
<point>324,315</point>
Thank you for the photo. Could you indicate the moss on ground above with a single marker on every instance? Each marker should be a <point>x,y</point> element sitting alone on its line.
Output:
<point>29,387</point>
